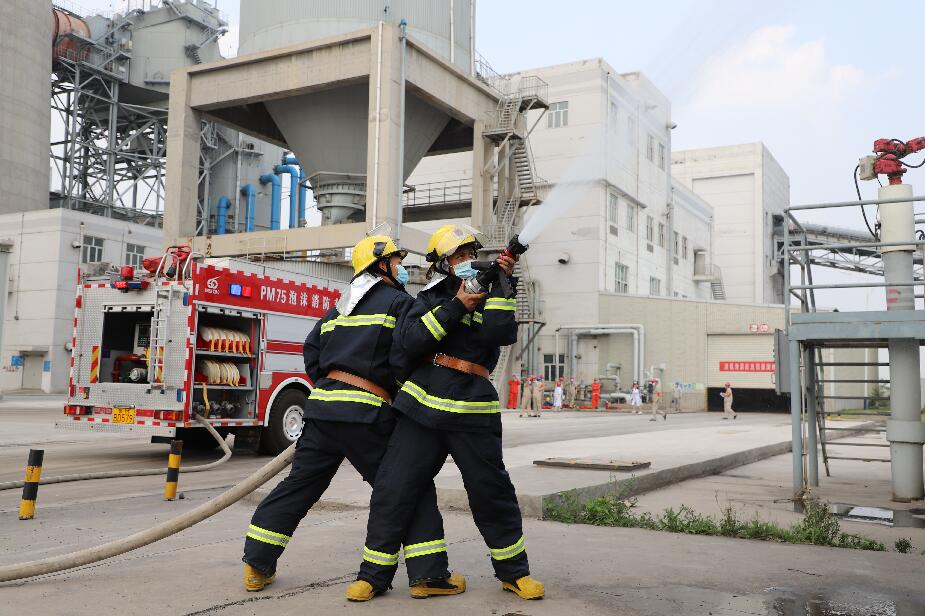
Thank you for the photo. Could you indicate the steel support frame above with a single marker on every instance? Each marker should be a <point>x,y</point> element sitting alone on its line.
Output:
<point>110,157</point>
<point>809,331</point>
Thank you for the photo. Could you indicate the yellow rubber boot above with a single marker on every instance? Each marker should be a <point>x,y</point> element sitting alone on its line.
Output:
<point>526,588</point>
<point>454,585</point>
<point>255,580</point>
<point>361,590</point>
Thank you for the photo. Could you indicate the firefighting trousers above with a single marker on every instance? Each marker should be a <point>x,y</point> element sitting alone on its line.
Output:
<point>320,451</point>
<point>415,455</point>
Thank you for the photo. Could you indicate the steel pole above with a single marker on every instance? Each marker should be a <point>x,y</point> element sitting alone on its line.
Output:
<point>812,446</point>
<point>905,430</point>
<point>796,392</point>
<point>5,249</point>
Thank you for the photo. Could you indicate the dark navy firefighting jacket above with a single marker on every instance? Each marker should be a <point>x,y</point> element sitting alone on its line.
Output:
<point>359,343</point>
<point>444,398</point>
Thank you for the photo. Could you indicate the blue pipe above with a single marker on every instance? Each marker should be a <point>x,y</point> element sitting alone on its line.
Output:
<point>293,192</point>
<point>223,204</point>
<point>248,191</point>
<point>276,193</point>
<point>303,189</point>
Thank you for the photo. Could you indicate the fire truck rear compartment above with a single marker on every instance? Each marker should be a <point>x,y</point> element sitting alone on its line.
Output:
<point>125,340</point>
<point>225,361</point>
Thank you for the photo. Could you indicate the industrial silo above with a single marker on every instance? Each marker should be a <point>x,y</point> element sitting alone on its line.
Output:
<point>327,130</point>
<point>25,122</point>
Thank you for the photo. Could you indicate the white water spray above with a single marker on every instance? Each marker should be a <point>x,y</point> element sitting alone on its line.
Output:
<point>572,187</point>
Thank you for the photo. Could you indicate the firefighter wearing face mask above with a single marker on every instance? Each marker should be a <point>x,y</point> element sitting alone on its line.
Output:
<point>349,357</point>
<point>448,405</point>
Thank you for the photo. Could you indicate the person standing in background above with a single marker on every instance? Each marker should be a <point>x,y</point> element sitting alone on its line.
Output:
<point>676,398</point>
<point>727,403</point>
<point>571,392</point>
<point>538,388</point>
<point>557,396</point>
<point>636,399</point>
<point>513,391</point>
<point>654,399</point>
<point>595,393</point>
<point>526,396</point>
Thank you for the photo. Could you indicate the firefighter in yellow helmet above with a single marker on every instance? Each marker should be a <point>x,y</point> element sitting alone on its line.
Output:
<point>448,405</point>
<point>349,357</point>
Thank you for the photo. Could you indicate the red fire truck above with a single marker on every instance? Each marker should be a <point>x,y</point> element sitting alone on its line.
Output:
<point>186,336</point>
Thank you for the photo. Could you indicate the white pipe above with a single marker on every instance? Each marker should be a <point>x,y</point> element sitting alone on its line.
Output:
<point>575,334</point>
<point>401,131</point>
<point>452,34</point>
<point>641,355</point>
<point>472,38</point>
<point>378,129</point>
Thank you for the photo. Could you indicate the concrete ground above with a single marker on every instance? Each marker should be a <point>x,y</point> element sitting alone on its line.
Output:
<point>587,570</point>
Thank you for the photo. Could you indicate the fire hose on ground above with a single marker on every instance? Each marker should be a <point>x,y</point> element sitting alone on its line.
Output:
<point>10,485</point>
<point>155,533</point>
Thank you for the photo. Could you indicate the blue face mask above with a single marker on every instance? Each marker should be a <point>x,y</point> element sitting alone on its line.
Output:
<point>401,275</point>
<point>465,270</point>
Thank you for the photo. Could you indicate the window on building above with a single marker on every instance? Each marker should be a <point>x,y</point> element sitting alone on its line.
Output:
<point>134,254</point>
<point>630,130</point>
<point>614,117</point>
<point>684,247</point>
<point>655,286</point>
<point>650,148</point>
<point>613,208</point>
<point>661,156</point>
<point>557,116</point>
<point>631,217</point>
<point>661,234</point>
<point>621,278</point>
<point>650,229</point>
<point>676,246</point>
<point>553,370</point>
<point>92,250</point>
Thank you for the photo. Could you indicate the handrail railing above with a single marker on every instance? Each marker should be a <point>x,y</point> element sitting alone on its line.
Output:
<point>439,193</point>
<point>798,252</point>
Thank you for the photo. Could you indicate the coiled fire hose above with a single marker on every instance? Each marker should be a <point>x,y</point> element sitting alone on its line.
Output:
<point>10,485</point>
<point>155,533</point>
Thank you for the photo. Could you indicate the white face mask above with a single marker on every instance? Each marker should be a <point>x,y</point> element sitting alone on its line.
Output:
<point>465,270</point>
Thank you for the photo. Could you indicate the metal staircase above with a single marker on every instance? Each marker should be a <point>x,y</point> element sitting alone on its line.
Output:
<point>507,126</point>
<point>523,168</point>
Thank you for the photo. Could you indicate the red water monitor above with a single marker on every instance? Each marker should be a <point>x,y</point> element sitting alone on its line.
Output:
<point>888,158</point>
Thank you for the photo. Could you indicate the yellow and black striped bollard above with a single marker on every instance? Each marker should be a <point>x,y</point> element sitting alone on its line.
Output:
<point>30,490</point>
<point>173,470</point>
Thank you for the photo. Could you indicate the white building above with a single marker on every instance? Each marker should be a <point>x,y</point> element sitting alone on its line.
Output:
<point>47,248</point>
<point>746,188</point>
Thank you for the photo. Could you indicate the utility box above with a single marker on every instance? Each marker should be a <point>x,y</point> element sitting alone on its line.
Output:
<point>781,362</point>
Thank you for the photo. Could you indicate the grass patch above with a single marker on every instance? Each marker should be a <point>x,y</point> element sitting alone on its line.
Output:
<point>819,525</point>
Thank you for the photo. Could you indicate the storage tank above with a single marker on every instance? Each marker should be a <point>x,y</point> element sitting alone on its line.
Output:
<point>25,120</point>
<point>313,123</point>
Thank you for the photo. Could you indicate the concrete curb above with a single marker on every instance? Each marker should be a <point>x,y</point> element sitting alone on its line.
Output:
<point>636,485</point>
<point>532,505</point>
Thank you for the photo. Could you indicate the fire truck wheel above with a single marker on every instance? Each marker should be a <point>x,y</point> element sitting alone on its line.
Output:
<point>285,423</point>
<point>199,438</point>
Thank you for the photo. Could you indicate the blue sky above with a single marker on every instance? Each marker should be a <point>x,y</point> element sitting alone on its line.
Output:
<point>817,81</point>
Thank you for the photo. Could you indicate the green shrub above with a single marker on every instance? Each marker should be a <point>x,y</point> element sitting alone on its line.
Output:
<point>819,525</point>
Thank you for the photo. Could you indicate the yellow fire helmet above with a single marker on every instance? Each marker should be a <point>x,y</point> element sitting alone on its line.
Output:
<point>370,249</point>
<point>448,238</point>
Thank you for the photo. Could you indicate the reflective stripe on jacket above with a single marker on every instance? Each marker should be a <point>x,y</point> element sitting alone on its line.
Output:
<point>360,344</point>
<point>444,398</point>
